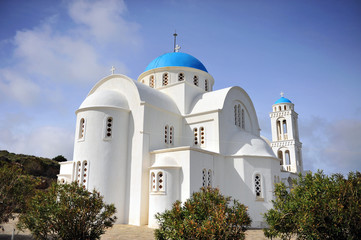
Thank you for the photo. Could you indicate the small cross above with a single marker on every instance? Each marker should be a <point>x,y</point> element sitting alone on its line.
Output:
<point>282,94</point>
<point>177,47</point>
<point>112,70</point>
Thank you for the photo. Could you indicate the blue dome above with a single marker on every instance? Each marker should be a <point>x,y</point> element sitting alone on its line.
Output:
<point>176,59</point>
<point>283,100</point>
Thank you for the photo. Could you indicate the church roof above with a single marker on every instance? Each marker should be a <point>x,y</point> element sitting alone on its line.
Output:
<point>247,144</point>
<point>105,98</point>
<point>283,100</point>
<point>176,59</point>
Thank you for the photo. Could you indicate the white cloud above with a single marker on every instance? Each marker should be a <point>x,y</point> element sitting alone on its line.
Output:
<point>16,87</point>
<point>59,58</point>
<point>104,21</point>
<point>343,149</point>
<point>331,146</point>
<point>45,58</point>
<point>53,60</point>
<point>46,141</point>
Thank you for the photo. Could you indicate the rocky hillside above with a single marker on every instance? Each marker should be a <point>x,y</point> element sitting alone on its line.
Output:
<point>45,168</point>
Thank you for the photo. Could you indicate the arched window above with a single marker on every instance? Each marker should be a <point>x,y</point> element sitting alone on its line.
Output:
<point>242,118</point>
<point>204,178</point>
<point>166,134</point>
<point>206,85</point>
<point>284,107</point>
<point>151,81</point>
<point>181,77</point>
<point>161,182</point>
<point>235,115</point>
<point>171,130</point>
<point>299,158</point>
<point>165,79</point>
<point>199,139</point>
<point>142,80</point>
<point>195,80</point>
<point>238,115</point>
<point>108,127</point>
<point>280,156</point>
<point>195,133</point>
<point>258,185</point>
<point>78,173</point>
<point>209,178</point>
<point>287,157</point>
<point>284,125</point>
<point>202,135</point>
<point>279,130</point>
<point>81,129</point>
<point>85,173</point>
<point>153,182</point>
<point>279,108</point>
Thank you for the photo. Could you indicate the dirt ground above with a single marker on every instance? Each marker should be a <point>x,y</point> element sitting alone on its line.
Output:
<point>117,232</point>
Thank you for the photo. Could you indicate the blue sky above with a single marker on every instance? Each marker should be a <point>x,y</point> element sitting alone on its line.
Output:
<point>53,52</point>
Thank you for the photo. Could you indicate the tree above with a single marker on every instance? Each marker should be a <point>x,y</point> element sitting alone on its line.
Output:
<point>60,158</point>
<point>67,211</point>
<point>206,215</point>
<point>15,188</point>
<point>317,207</point>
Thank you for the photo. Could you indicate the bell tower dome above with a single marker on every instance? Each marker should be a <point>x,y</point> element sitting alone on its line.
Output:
<point>285,138</point>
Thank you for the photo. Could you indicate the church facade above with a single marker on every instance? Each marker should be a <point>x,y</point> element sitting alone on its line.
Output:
<point>145,144</point>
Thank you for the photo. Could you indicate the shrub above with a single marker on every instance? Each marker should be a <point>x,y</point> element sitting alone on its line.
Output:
<point>317,207</point>
<point>206,215</point>
<point>60,158</point>
<point>15,188</point>
<point>67,211</point>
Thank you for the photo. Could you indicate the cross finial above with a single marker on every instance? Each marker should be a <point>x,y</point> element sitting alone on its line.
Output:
<point>112,70</point>
<point>282,94</point>
<point>177,47</point>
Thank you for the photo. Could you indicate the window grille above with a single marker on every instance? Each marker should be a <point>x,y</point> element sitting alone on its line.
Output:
<point>195,80</point>
<point>151,81</point>
<point>165,79</point>
<point>81,129</point>
<point>257,185</point>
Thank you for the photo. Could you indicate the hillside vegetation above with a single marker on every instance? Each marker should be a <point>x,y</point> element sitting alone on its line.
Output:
<point>44,168</point>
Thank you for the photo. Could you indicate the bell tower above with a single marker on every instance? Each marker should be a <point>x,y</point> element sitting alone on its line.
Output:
<point>285,138</point>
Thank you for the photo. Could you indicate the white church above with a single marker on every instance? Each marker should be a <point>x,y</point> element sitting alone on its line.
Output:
<point>143,144</point>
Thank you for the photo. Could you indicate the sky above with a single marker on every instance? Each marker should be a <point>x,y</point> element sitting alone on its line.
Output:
<point>53,52</point>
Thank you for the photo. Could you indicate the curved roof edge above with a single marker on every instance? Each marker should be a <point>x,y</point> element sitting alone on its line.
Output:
<point>176,59</point>
<point>247,144</point>
<point>105,98</point>
<point>283,100</point>
<point>141,93</point>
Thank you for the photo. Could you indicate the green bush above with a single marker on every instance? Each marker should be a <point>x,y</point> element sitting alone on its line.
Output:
<point>15,188</point>
<point>67,211</point>
<point>317,207</point>
<point>60,158</point>
<point>206,215</point>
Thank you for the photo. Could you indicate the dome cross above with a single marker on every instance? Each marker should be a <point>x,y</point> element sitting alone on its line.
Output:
<point>112,70</point>
<point>282,93</point>
<point>177,47</point>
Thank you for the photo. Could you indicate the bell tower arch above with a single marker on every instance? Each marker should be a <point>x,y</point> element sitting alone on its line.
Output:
<point>285,137</point>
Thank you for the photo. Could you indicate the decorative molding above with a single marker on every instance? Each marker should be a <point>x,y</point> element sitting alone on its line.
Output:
<point>283,143</point>
<point>280,114</point>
